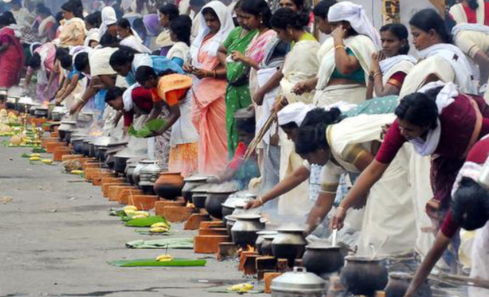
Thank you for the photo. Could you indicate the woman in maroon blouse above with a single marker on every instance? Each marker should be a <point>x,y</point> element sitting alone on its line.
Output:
<point>440,122</point>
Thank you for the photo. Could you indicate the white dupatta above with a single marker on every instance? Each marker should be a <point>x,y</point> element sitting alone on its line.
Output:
<point>458,13</point>
<point>212,46</point>
<point>392,65</point>
<point>465,71</point>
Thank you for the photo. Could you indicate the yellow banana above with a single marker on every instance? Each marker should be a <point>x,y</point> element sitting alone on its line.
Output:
<point>164,258</point>
<point>35,155</point>
<point>47,161</point>
<point>76,172</point>
<point>242,288</point>
<point>128,207</point>
<point>160,224</point>
<point>129,212</point>
<point>158,230</point>
<point>139,217</point>
<point>34,159</point>
<point>142,213</point>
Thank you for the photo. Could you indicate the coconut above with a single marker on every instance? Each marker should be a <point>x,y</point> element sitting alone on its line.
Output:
<point>16,140</point>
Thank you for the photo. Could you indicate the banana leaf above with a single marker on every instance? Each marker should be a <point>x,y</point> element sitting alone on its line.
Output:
<point>38,150</point>
<point>154,262</point>
<point>147,232</point>
<point>165,243</point>
<point>147,129</point>
<point>116,212</point>
<point>145,222</point>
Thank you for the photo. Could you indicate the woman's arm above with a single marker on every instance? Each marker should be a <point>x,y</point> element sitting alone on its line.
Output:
<point>360,190</point>
<point>70,88</point>
<point>435,253</point>
<point>28,79</point>
<point>174,116</point>
<point>239,57</point>
<point>4,46</point>
<point>288,183</point>
<point>345,63</point>
<point>323,205</point>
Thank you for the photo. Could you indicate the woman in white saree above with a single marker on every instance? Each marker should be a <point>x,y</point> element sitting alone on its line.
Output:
<point>345,59</point>
<point>301,63</point>
<point>440,60</point>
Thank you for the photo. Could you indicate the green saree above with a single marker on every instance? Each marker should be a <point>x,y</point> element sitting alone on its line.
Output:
<point>237,89</point>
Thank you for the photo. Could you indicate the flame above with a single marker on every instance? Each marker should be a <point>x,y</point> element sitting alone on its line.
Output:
<point>190,205</point>
<point>95,133</point>
<point>45,104</point>
<point>250,248</point>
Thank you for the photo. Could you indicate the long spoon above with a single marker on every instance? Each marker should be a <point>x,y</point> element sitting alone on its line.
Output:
<point>335,233</point>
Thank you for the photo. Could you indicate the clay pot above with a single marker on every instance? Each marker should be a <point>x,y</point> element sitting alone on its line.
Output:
<point>322,259</point>
<point>289,244</point>
<point>364,276</point>
<point>169,185</point>
<point>399,283</point>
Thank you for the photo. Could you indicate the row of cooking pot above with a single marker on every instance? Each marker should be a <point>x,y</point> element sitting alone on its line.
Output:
<point>359,278</point>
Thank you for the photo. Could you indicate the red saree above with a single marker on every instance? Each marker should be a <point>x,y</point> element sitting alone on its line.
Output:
<point>12,60</point>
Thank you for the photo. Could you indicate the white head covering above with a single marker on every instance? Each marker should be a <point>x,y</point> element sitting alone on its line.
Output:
<point>294,113</point>
<point>109,17</point>
<point>356,16</point>
<point>213,44</point>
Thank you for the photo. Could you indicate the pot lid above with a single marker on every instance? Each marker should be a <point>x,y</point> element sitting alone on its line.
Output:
<point>117,149</point>
<point>291,229</point>
<point>248,216</point>
<point>196,178</point>
<point>233,202</point>
<point>321,246</point>
<point>364,259</point>
<point>201,189</point>
<point>68,122</point>
<point>26,100</point>
<point>231,218</point>
<point>221,191</point>
<point>299,280</point>
<point>42,108</point>
<point>129,155</point>
<point>267,232</point>
<point>107,141</point>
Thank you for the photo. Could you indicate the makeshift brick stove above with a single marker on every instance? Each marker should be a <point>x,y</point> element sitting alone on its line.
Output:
<point>209,244</point>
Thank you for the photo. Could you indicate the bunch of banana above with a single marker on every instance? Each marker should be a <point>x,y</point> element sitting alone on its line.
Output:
<point>130,210</point>
<point>47,161</point>
<point>140,215</point>
<point>241,288</point>
<point>160,227</point>
<point>164,258</point>
<point>34,155</point>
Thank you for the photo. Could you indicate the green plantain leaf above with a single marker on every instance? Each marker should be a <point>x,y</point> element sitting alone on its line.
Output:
<point>154,262</point>
<point>145,222</point>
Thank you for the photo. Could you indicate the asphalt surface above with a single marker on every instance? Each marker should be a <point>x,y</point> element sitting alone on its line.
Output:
<point>56,237</point>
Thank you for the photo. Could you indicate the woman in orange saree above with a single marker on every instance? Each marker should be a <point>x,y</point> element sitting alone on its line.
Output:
<point>209,88</point>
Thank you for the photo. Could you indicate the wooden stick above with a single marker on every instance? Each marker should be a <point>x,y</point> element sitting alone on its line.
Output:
<point>258,138</point>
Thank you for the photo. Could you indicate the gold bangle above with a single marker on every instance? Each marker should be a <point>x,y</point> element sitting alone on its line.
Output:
<point>376,73</point>
<point>341,207</point>
<point>339,46</point>
<point>261,200</point>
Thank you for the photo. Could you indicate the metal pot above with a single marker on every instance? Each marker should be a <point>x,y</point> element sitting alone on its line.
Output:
<point>101,153</point>
<point>261,239</point>
<point>41,112</point>
<point>364,276</point>
<point>244,231</point>
<point>120,163</point>
<point>289,244</point>
<point>399,283</point>
<point>230,221</point>
<point>77,145</point>
<point>86,147</point>
<point>199,200</point>
<point>214,202</point>
<point>298,283</point>
<point>191,183</point>
<point>91,149</point>
<point>130,166</point>
<point>322,259</point>
<point>149,174</point>
<point>68,135</point>
<point>136,174</point>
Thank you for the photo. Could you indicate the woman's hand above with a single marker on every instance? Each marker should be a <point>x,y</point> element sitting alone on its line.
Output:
<point>278,105</point>
<point>200,73</point>
<point>303,87</point>
<point>237,56</point>
<point>188,68</point>
<point>339,33</point>
<point>338,219</point>
<point>376,58</point>
<point>253,204</point>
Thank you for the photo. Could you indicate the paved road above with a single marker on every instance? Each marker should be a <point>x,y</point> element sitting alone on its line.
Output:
<point>56,236</point>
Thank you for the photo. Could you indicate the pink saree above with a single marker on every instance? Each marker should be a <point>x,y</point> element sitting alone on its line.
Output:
<point>209,118</point>
<point>12,60</point>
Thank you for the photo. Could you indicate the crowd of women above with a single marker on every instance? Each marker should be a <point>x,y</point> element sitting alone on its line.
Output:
<point>353,134</point>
